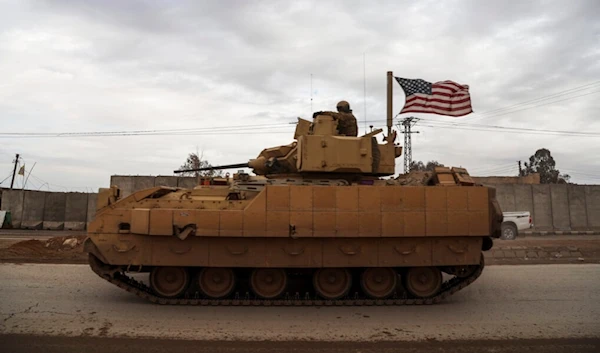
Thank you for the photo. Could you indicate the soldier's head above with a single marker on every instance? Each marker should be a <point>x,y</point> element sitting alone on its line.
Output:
<point>343,107</point>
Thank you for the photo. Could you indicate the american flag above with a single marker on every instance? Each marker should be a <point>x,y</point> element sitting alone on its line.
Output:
<point>444,98</point>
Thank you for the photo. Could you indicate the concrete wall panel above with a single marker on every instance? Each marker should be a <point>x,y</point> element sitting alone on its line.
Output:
<point>12,200</point>
<point>125,183</point>
<point>542,207</point>
<point>560,207</point>
<point>170,181</point>
<point>577,210</point>
<point>54,210</point>
<point>524,198</point>
<point>91,206</point>
<point>187,182</point>
<point>33,209</point>
<point>142,182</point>
<point>505,194</point>
<point>592,202</point>
<point>76,211</point>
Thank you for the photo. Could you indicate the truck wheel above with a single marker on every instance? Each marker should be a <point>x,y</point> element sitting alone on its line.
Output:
<point>509,231</point>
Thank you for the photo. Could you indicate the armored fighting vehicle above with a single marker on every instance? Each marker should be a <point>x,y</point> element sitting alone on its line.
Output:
<point>318,224</point>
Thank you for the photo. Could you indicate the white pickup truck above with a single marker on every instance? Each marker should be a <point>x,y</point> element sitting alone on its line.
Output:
<point>514,222</point>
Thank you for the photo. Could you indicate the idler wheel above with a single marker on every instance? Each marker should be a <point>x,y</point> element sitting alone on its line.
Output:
<point>379,283</point>
<point>332,283</point>
<point>268,283</point>
<point>423,282</point>
<point>216,282</point>
<point>169,282</point>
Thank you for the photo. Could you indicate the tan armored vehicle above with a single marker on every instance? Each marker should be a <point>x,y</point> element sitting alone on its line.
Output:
<point>316,225</point>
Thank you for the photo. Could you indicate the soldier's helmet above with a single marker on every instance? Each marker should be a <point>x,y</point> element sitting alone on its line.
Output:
<point>343,106</point>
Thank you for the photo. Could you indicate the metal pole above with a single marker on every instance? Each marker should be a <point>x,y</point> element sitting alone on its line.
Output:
<point>390,79</point>
<point>14,172</point>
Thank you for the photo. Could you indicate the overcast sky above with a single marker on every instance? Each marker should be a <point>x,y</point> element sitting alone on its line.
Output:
<point>88,66</point>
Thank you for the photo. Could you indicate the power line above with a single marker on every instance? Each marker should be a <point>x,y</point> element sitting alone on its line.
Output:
<point>8,176</point>
<point>493,169</point>
<point>448,123</point>
<point>540,99</point>
<point>538,105</point>
<point>573,134</point>
<point>209,130</point>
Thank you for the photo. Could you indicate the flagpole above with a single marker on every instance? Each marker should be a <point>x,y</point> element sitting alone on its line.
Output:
<point>390,79</point>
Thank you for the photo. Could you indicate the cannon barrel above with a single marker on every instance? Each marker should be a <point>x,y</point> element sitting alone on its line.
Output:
<point>219,167</point>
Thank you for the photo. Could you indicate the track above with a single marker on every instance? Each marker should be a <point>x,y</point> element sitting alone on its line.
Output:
<point>117,277</point>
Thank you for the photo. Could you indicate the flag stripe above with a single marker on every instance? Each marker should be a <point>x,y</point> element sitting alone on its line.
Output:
<point>455,100</point>
<point>450,84</point>
<point>448,106</point>
<point>438,111</point>
<point>442,90</point>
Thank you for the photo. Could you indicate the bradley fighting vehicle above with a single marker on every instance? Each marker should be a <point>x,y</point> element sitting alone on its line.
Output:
<point>317,225</point>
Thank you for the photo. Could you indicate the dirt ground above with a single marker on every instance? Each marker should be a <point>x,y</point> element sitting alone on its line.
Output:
<point>49,247</point>
<point>56,249</point>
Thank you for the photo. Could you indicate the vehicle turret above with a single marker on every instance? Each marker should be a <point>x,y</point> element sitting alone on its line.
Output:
<point>319,149</point>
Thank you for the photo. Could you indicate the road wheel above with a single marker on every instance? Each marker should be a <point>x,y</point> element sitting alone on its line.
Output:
<point>332,283</point>
<point>423,282</point>
<point>268,283</point>
<point>169,282</point>
<point>379,283</point>
<point>509,231</point>
<point>216,283</point>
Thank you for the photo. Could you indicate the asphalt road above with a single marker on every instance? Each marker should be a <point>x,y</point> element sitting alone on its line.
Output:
<point>506,302</point>
<point>59,344</point>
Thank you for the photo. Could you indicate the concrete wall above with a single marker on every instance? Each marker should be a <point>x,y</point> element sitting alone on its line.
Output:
<point>561,219</point>
<point>542,207</point>
<point>577,207</point>
<point>12,200</point>
<point>91,206</point>
<point>54,210</point>
<point>557,207</point>
<point>592,202</point>
<point>76,209</point>
<point>125,183</point>
<point>33,209</point>
<point>170,181</point>
<point>187,182</point>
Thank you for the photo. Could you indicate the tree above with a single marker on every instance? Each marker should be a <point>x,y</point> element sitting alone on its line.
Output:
<point>543,163</point>
<point>195,161</point>
<point>420,166</point>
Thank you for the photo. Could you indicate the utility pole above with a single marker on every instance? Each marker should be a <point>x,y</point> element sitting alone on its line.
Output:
<point>408,123</point>
<point>520,170</point>
<point>14,172</point>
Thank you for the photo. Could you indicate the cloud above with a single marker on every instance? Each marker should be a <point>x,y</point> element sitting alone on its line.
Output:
<point>113,66</point>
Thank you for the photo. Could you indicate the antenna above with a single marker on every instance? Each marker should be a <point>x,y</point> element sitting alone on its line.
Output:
<point>311,93</point>
<point>365,86</point>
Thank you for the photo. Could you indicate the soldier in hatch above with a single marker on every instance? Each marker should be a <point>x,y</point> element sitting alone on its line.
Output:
<point>347,124</point>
